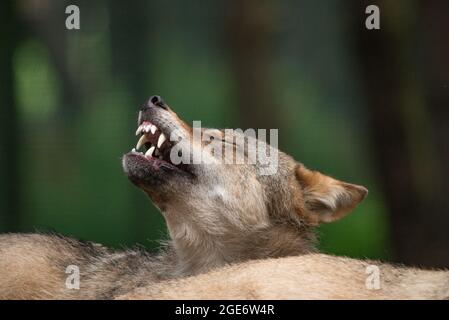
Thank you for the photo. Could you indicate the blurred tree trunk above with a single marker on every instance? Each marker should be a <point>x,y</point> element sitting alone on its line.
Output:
<point>9,162</point>
<point>435,25</point>
<point>249,36</point>
<point>130,60</point>
<point>409,126</point>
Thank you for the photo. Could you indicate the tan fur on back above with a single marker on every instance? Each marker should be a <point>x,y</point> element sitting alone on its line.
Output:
<point>26,270</point>
<point>312,276</point>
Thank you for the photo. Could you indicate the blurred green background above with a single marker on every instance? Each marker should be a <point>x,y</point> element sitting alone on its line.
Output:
<point>366,106</point>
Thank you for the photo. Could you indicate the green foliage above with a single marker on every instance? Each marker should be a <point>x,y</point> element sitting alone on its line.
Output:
<point>72,180</point>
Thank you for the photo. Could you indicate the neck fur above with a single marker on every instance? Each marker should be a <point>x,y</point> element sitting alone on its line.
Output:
<point>198,251</point>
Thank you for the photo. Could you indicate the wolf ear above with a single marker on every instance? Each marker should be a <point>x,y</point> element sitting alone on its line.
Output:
<point>327,199</point>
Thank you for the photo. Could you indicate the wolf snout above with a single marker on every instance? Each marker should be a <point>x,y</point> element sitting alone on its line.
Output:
<point>151,108</point>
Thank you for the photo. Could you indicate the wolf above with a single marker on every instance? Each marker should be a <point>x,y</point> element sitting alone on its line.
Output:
<point>217,214</point>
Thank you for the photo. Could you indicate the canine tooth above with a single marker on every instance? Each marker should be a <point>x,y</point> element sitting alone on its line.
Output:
<point>161,140</point>
<point>150,151</point>
<point>141,141</point>
<point>139,129</point>
<point>153,128</point>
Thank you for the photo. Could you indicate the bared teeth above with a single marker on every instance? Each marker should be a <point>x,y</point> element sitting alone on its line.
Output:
<point>143,139</point>
<point>148,131</point>
<point>146,127</point>
<point>150,151</point>
<point>161,140</point>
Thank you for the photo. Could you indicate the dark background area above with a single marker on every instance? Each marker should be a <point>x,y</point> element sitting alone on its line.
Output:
<point>366,106</point>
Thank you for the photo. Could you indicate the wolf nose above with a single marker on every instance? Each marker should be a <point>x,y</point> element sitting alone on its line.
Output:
<point>155,101</point>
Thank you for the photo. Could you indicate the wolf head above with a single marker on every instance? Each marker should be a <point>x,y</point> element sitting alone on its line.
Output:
<point>222,208</point>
